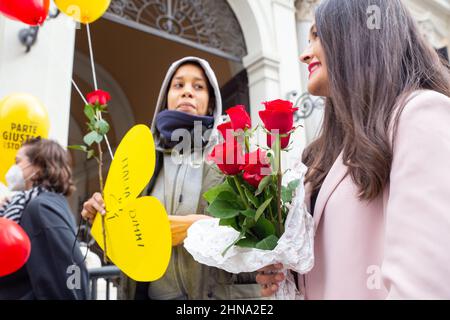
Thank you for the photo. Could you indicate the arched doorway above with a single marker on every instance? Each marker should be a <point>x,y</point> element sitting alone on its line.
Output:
<point>134,44</point>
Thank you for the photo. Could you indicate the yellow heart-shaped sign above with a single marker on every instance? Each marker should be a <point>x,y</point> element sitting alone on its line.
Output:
<point>138,236</point>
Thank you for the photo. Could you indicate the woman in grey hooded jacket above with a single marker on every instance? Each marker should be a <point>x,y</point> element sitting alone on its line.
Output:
<point>189,94</point>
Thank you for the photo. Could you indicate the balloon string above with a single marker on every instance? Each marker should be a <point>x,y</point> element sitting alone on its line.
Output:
<point>99,117</point>
<point>109,147</point>
<point>79,92</point>
<point>91,52</point>
<point>92,56</point>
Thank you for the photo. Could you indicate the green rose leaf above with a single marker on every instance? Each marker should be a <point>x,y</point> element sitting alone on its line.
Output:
<point>91,125</point>
<point>227,195</point>
<point>89,112</point>
<point>268,243</point>
<point>241,236</point>
<point>90,154</point>
<point>286,194</point>
<point>102,108</point>
<point>223,209</point>
<point>247,242</point>
<point>263,184</point>
<point>293,185</point>
<point>92,137</point>
<point>212,193</point>
<point>249,223</point>
<point>250,213</point>
<point>102,126</point>
<point>251,198</point>
<point>240,221</point>
<point>78,147</point>
<point>264,228</point>
<point>231,222</point>
<point>232,184</point>
<point>261,209</point>
<point>231,197</point>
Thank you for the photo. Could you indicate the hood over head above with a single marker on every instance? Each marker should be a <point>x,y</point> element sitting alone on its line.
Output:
<point>211,77</point>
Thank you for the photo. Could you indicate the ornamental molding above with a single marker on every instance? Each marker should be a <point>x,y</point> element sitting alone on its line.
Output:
<point>207,25</point>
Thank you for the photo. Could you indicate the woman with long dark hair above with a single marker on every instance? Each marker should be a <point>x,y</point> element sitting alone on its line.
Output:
<point>379,173</point>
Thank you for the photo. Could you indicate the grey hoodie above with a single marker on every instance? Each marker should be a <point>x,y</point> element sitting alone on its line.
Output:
<point>180,187</point>
<point>162,98</point>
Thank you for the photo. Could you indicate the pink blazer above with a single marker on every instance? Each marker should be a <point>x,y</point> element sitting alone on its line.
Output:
<point>398,245</point>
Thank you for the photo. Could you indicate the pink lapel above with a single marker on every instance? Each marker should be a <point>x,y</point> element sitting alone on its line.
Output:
<point>337,173</point>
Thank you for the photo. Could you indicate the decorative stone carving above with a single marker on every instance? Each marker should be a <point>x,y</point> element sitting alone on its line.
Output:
<point>211,24</point>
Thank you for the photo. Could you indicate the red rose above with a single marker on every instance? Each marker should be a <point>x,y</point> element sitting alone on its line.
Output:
<point>256,168</point>
<point>239,118</point>
<point>228,157</point>
<point>279,115</point>
<point>277,105</point>
<point>257,157</point>
<point>98,97</point>
<point>224,128</point>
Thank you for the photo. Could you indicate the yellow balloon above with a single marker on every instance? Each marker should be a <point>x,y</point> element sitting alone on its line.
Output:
<point>84,11</point>
<point>22,117</point>
<point>138,235</point>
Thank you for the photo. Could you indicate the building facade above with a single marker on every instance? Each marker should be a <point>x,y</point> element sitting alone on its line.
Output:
<point>253,45</point>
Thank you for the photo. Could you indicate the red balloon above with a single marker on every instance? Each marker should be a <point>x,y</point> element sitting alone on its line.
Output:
<point>15,247</point>
<point>32,12</point>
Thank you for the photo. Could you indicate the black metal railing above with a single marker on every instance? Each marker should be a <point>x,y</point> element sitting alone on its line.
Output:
<point>108,273</point>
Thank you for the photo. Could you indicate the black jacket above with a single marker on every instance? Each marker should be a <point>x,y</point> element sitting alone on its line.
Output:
<point>50,225</point>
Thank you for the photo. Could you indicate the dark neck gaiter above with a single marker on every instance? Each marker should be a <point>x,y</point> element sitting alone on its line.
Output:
<point>168,121</point>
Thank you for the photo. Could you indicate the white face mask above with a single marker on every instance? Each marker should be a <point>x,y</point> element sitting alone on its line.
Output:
<point>15,180</point>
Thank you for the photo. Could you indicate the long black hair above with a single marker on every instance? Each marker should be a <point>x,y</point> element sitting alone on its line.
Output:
<point>372,69</point>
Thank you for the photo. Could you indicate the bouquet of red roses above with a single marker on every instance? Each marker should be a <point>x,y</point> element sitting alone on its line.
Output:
<point>259,219</point>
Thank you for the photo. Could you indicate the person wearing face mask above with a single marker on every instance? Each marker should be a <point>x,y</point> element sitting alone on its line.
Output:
<point>16,182</point>
<point>14,201</point>
<point>189,93</point>
<point>41,180</point>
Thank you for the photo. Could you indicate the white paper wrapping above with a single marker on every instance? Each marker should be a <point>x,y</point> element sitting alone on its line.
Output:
<point>206,241</point>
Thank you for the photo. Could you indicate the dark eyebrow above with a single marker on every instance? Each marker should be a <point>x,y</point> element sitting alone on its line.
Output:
<point>196,79</point>
<point>312,28</point>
